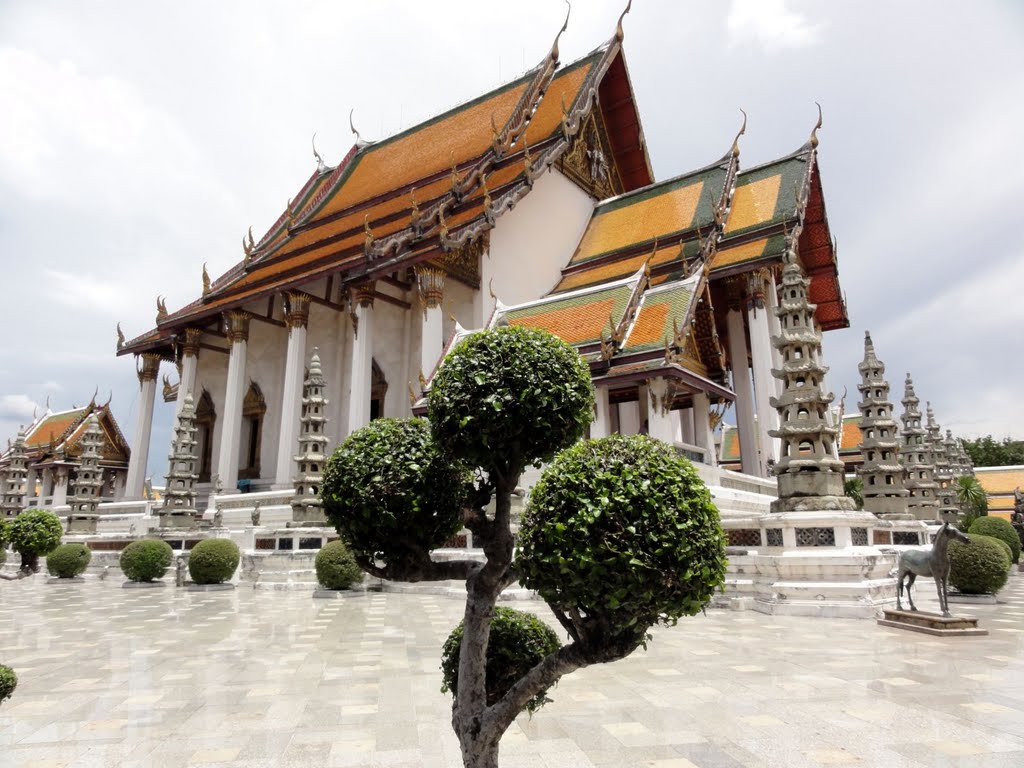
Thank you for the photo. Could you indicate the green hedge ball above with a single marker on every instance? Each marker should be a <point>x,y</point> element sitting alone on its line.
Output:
<point>213,561</point>
<point>68,560</point>
<point>1001,529</point>
<point>978,568</point>
<point>146,560</point>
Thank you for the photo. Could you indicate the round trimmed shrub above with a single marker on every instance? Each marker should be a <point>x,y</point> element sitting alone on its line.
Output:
<point>68,560</point>
<point>146,559</point>
<point>390,491</point>
<point>518,642</point>
<point>213,561</point>
<point>1001,529</point>
<point>8,682</point>
<point>33,533</point>
<point>1004,546</point>
<point>980,567</point>
<point>336,567</point>
<point>623,530</point>
<point>510,397</point>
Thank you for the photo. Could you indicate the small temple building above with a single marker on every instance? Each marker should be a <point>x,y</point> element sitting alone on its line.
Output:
<point>534,204</point>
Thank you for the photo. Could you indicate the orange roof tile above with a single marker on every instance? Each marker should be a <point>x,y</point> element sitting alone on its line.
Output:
<point>754,203</point>
<point>578,318</point>
<point>52,427</point>
<point>850,439</point>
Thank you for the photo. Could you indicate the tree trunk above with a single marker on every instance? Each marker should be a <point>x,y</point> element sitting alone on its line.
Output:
<point>479,755</point>
<point>29,563</point>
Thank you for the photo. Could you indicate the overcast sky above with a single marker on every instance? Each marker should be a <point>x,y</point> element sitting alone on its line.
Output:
<point>139,140</point>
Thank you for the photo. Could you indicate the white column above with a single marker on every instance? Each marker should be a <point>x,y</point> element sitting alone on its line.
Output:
<point>362,358</point>
<point>602,424</point>
<point>771,302</point>
<point>60,487</point>
<point>430,282</point>
<point>297,318</point>
<point>143,427</point>
<point>30,487</point>
<point>686,425</point>
<point>704,436</point>
<point>234,393</point>
<point>661,421</point>
<point>744,392</point>
<point>189,367</point>
<point>761,359</point>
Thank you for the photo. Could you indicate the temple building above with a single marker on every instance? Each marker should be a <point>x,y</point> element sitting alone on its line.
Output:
<point>534,204</point>
<point>52,448</point>
<point>881,473</point>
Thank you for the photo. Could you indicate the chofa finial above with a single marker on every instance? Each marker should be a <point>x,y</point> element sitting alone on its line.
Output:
<point>161,309</point>
<point>321,166</point>
<point>554,46</point>
<point>735,151</point>
<point>206,280</point>
<point>120,337</point>
<point>619,33</point>
<point>813,141</point>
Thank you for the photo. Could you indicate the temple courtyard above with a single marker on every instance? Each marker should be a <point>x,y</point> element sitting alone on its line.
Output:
<point>167,677</point>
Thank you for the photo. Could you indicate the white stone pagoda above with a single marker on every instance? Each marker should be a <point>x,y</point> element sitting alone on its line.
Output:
<point>88,481</point>
<point>917,459</point>
<point>179,508</point>
<point>12,494</point>
<point>306,506</point>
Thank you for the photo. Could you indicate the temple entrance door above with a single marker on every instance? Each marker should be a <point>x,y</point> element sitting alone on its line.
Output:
<point>378,391</point>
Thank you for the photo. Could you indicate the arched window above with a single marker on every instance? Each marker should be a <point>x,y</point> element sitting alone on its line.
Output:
<point>253,408</point>
<point>206,417</point>
<point>378,391</point>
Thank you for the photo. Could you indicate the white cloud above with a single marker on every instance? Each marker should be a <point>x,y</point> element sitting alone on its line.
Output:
<point>771,24</point>
<point>17,408</point>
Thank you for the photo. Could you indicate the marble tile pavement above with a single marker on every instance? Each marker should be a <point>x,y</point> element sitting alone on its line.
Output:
<point>166,677</point>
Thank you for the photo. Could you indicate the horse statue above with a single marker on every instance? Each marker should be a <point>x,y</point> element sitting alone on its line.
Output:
<point>934,563</point>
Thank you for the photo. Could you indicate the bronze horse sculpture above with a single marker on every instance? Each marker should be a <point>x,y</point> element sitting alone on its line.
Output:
<point>933,562</point>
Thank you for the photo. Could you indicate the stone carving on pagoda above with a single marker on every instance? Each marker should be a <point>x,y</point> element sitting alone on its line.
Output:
<point>917,459</point>
<point>810,477</point>
<point>179,509</point>
<point>949,509</point>
<point>88,481</point>
<point>12,493</point>
<point>880,473</point>
<point>307,509</point>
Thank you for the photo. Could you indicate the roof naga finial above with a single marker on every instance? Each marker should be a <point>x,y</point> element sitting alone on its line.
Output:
<point>619,33</point>
<point>206,280</point>
<point>351,125</point>
<point>813,141</point>
<point>321,166</point>
<point>161,309</point>
<point>553,56</point>
<point>248,246</point>
<point>120,337</point>
<point>735,151</point>
<point>369,238</point>
<point>490,289</point>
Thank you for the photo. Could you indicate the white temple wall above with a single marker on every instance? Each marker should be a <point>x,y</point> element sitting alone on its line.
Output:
<point>211,375</point>
<point>388,329</point>
<point>326,331</point>
<point>530,244</point>
<point>265,366</point>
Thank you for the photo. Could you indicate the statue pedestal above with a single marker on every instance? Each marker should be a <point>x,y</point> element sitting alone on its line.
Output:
<point>932,623</point>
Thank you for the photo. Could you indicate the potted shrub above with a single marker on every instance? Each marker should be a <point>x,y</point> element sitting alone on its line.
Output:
<point>213,561</point>
<point>336,567</point>
<point>8,682</point>
<point>146,560</point>
<point>68,561</point>
<point>33,533</point>
<point>979,568</point>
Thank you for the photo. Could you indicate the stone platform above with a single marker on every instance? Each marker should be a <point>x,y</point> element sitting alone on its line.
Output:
<point>932,623</point>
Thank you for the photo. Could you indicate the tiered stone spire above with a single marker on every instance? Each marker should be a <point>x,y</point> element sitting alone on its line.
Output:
<point>917,459</point>
<point>306,506</point>
<point>12,494</point>
<point>810,476</point>
<point>965,459</point>
<point>948,507</point>
<point>88,481</point>
<point>179,510</point>
<point>881,472</point>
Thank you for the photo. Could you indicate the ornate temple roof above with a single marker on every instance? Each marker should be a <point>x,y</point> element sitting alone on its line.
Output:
<point>433,188</point>
<point>999,483</point>
<point>56,436</point>
<point>849,443</point>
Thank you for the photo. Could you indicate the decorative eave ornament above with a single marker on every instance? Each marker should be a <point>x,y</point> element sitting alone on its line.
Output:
<point>735,150</point>
<point>206,280</point>
<point>360,142</point>
<point>619,32</point>
<point>321,166</point>
<point>120,338</point>
<point>813,140</point>
<point>248,247</point>
<point>161,309</point>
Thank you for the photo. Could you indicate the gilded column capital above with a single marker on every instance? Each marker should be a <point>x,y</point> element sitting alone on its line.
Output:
<point>296,313</point>
<point>190,344</point>
<point>430,283</point>
<point>363,293</point>
<point>757,285</point>
<point>150,366</point>
<point>236,325</point>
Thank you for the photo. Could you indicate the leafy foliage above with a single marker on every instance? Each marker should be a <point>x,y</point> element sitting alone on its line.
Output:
<point>622,528</point>
<point>336,568</point>
<point>980,567</point>
<point>8,682</point>
<point>68,560</point>
<point>988,452</point>
<point>146,560</point>
<point>854,489</point>
<point>971,496</point>
<point>213,561</point>
<point>5,531</point>
<point>510,397</point>
<point>35,532</point>
<point>389,490</point>
<point>519,641</point>
<point>1000,529</point>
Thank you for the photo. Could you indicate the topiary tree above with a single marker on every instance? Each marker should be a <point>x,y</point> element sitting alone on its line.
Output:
<point>503,400</point>
<point>1001,529</point>
<point>68,560</point>
<point>146,560</point>
<point>213,561</point>
<point>980,567</point>
<point>33,533</point>
<point>336,567</point>
<point>8,682</point>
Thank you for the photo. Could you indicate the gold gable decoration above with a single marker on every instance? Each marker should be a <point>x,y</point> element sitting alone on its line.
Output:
<point>589,161</point>
<point>463,264</point>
